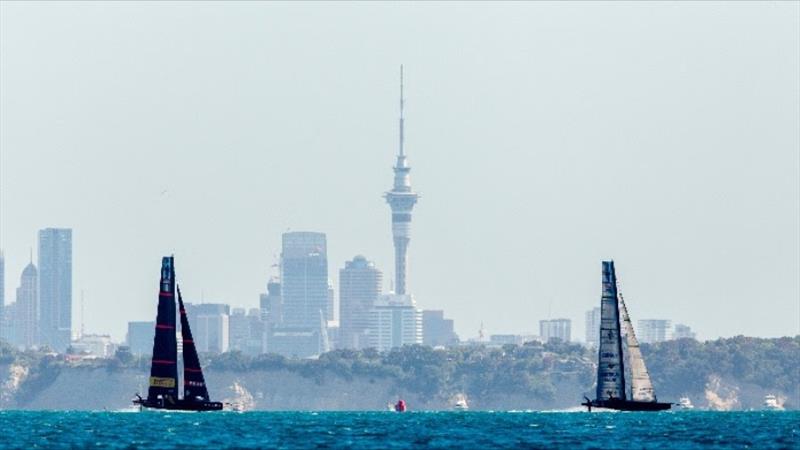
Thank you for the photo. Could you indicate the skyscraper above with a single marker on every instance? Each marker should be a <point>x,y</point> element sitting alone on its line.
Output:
<point>55,288</point>
<point>304,292</point>
<point>593,326</point>
<point>304,278</point>
<point>401,200</point>
<point>360,285</point>
<point>26,309</point>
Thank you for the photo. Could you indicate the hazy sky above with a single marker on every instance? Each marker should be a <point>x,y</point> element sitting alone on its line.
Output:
<point>543,138</point>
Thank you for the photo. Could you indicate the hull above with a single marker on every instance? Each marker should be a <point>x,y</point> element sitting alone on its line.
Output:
<point>627,405</point>
<point>180,405</point>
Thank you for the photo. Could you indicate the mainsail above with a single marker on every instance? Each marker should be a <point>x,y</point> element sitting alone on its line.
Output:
<point>164,368</point>
<point>194,385</point>
<point>610,368</point>
<point>641,386</point>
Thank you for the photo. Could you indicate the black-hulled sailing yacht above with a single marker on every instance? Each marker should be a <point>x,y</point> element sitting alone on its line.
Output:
<point>611,385</point>
<point>163,392</point>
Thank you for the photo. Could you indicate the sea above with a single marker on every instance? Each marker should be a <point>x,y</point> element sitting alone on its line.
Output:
<point>388,430</point>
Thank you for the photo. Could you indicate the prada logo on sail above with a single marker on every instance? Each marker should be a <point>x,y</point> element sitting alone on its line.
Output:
<point>162,382</point>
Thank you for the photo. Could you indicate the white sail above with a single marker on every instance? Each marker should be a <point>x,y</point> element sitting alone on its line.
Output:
<point>641,386</point>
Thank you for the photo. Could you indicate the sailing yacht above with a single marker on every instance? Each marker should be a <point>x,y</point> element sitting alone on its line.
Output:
<point>163,390</point>
<point>615,325</point>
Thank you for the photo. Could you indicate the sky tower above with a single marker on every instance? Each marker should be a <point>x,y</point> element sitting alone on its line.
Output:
<point>401,199</point>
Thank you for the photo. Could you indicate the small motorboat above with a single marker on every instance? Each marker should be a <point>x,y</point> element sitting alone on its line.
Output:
<point>771,403</point>
<point>685,403</point>
<point>400,406</point>
<point>461,403</point>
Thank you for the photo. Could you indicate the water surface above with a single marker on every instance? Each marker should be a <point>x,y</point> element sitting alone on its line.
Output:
<point>369,430</point>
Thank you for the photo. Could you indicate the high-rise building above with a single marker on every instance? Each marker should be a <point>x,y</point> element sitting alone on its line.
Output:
<point>683,332</point>
<point>239,329</point>
<point>555,329</point>
<point>25,323</point>
<point>436,330</point>
<point>395,321</point>
<point>360,285</point>
<point>210,326</point>
<point>330,309</point>
<point>401,200</point>
<point>140,337</point>
<point>55,288</point>
<point>271,303</point>
<point>304,279</point>
<point>246,331</point>
<point>650,331</point>
<point>593,326</point>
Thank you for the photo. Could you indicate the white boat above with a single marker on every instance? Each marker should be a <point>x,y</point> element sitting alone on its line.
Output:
<point>461,403</point>
<point>685,403</point>
<point>771,403</point>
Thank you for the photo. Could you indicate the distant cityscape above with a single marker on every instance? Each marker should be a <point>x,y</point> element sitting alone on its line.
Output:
<point>296,315</point>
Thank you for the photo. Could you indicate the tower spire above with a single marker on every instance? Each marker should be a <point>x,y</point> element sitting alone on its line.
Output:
<point>401,200</point>
<point>402,104</point>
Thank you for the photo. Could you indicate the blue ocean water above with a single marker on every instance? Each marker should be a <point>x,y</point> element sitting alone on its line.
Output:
<point>372,430</point>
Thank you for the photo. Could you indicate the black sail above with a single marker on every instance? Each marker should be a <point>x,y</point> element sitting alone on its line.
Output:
<point>164,368</point>
<point>610,367</point>
<point>194,385</point>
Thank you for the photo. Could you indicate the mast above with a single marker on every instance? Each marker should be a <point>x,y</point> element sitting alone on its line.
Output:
<point>641,386</point>
<point>610,367</point>
<point>164,366</point>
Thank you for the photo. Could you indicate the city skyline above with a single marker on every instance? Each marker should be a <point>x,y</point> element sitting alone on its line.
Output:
<point>532,174</point>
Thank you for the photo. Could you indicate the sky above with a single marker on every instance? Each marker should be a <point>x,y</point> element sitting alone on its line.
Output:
<point>543,138</point>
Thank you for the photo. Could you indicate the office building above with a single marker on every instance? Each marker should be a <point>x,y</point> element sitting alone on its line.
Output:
<point>271,303</point>
<point>304,279</point>
<point>593,326</point>
<point>210,326</point>
<point>360,285</point>
<point>94,345</point>
<point>25,332</point>
<point>650,331</point>
<point>55,288</point>
<point>295,342</point>
<point>330,309</point>
<point>395,321</point>
<point>140,337</point>
<point>246,331</point>
<point>683,332</point>
<point>436,330</point>
<point>555,329</point>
